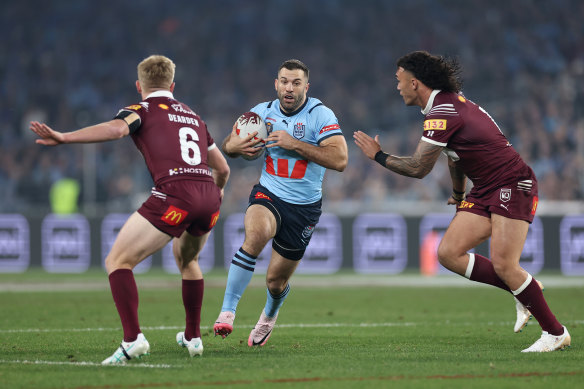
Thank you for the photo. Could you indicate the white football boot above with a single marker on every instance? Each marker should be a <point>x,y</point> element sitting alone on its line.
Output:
<point>548,342</point>
<point>129,350</point>
<point>195,345</point>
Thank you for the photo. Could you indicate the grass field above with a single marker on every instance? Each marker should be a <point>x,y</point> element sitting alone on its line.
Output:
<point>355,331</point>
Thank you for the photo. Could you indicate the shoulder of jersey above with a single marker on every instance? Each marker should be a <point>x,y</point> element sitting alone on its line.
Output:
<point>443,106</point>
<point>264,106</point>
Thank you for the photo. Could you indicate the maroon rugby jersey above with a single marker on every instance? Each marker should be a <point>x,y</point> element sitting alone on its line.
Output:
<point>172,138</point>
<point>473,140</point>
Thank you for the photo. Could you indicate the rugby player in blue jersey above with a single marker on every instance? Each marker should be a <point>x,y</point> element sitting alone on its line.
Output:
<point>304,140</point>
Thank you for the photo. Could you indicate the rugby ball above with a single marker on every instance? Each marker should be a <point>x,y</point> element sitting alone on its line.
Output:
<point>249,123</point>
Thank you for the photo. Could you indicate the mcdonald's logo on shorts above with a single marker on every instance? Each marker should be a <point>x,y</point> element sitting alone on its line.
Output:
<point>174,216</point>
<point>534,205</point>
<point>214,218</point>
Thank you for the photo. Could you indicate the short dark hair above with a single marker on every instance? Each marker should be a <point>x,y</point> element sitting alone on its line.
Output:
<point>292,64</point>
<point>434,71</point>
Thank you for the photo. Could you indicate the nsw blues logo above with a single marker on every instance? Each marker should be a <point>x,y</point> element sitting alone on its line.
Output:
<point>299,130</point>
<point>307,232</point>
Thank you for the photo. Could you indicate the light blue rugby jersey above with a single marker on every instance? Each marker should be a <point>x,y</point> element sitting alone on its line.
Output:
<point>285,173</point>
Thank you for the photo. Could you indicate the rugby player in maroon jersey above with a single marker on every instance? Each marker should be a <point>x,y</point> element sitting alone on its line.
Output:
<point>502,201</point>
<point>189,173</point>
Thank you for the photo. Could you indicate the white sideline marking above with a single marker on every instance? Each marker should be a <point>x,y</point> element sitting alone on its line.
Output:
<point>293,325</point>
<point>91,364</point>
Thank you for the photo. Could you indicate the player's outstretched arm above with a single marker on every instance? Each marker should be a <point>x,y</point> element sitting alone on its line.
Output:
<point>418,165</point>
<point>48,136</point>
<point>234,146</point>
<point>114,129</point>
<point>367,144</point>
<point>331,153</point>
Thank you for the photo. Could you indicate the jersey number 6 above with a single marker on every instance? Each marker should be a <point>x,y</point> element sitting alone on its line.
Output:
<point>189,150</point>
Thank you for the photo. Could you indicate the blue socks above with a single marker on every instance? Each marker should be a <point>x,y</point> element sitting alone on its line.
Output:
<point>239,276</point>
<point>273,303</point>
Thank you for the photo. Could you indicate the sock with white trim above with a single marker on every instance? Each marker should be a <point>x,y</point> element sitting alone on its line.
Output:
<point>480,269</point>
<point>531,296</point>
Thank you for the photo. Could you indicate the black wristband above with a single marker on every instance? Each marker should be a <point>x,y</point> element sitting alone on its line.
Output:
<point>381,157</point>
<point>458,196</point>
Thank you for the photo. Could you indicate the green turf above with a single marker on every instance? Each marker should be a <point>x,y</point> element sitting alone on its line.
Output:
<point>334,337</point>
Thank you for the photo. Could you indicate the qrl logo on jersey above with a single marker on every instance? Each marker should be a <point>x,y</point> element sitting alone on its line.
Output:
<point>505,195</point>
<point>174,216</point>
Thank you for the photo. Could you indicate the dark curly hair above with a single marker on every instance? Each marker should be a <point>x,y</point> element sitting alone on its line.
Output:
<point>434,71</point>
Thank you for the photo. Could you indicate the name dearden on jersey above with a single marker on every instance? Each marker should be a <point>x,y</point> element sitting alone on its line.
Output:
<point>183,119</point>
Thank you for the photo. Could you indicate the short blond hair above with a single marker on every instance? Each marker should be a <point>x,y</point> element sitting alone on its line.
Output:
<point>156,71</point>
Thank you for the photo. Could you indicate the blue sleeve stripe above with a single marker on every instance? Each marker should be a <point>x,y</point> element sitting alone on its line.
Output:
<point>328,136</point>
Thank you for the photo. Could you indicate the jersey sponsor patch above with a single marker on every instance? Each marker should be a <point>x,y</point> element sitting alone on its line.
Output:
<point>134,107</point>
<point>329,128</point>
<point>174,216</point>
<point>434,124</point>
<point>163,106</point>
<point>466,204</point>
<point>261,195</point>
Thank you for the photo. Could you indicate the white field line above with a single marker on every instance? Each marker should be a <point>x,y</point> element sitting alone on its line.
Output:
<point>91,364</point>
<point>294,325</point>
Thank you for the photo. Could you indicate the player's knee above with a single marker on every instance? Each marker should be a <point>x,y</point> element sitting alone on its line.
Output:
<point>445,254</point>
<point>113,263</point>
<point>502,267</point>
<point>184,257</point>
<point>276,285</point>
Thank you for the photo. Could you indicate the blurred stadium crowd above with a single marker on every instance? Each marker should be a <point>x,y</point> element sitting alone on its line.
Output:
<point>73,63</point>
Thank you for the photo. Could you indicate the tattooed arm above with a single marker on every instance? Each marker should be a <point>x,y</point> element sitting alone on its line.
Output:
<point>417,165</point>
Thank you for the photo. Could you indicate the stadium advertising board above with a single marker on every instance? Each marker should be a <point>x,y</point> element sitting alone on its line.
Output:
<point>367,243</point>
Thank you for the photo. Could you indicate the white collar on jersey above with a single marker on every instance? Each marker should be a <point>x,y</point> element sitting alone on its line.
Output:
<point>161,93</point>
<point>430,102</point>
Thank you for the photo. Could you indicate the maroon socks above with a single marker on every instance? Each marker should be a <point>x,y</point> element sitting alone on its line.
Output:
<point>125,294</point>
<point>192,295</point>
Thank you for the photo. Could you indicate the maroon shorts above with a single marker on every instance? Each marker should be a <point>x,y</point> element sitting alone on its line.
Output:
<point>180,205</point>
<point>517,200</point>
